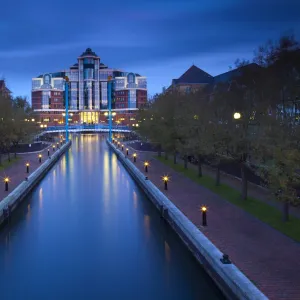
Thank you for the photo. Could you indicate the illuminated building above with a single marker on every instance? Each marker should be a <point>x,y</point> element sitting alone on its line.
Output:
<point>88,93</point>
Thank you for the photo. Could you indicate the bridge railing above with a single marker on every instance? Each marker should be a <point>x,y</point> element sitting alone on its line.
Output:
<point>86,127</point>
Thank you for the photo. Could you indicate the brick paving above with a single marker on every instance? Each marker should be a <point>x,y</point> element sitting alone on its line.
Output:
<point>254,191</point>
<point>267,257</point>
<point>17,171</point>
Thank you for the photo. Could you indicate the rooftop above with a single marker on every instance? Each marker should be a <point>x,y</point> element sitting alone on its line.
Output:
<point>88,52</point>
<point>194,75</point>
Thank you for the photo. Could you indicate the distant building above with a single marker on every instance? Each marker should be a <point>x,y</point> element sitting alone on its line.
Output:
<point>88,93</point>
<point>3,89</point>
<point>192,80</point>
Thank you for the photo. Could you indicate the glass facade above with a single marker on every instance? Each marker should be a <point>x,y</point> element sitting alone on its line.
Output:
<point>45,99</point>
<point>36,83</point>
<point>142,83</point>
<point>58,83</point>
<point>104,99</point>
<point>132,99</point>
<point>89,117</point>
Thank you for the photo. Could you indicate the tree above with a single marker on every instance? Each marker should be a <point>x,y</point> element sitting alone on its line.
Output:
<point>278,151</point>
<point>21,127</point>
<point>6,113</point>
<point>194,125</point>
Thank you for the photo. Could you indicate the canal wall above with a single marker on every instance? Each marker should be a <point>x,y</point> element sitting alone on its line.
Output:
<point>9,203</point>
<point>232,282</point>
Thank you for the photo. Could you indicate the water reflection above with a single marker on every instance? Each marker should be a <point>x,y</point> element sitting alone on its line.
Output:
<point>41,198</point>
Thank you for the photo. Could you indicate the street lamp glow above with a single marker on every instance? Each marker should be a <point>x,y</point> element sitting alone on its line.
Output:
<point>165,178</point>
<point>137,125</point>
<point>204,208</point>
<point>134,155</point>
<point>237,115</point>
<point>146,164</point>
<point>6,181</point>
<point>106,113</point>
<point>32,120</point>
<point>113,114</point>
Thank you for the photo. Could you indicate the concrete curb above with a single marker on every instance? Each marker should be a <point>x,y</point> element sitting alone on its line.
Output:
<point>23,189</point>
<point>233,283</point>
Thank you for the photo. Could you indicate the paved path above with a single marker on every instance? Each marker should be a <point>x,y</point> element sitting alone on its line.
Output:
<point>17,171</point>
<point>264,255</point>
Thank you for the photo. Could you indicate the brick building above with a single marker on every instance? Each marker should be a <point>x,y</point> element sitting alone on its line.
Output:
<point>88,93</point>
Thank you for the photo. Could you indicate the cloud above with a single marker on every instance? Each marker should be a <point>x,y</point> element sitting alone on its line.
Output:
<point>45,36</point>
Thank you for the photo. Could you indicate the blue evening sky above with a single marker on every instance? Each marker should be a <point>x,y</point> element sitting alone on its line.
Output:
<point>159,39</point>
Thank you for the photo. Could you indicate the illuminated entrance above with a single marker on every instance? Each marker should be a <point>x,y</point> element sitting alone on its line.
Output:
<point>89,117</point>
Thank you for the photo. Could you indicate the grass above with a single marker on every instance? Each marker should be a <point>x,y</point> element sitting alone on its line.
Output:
<point>5,163</point>
<point>264,212</point>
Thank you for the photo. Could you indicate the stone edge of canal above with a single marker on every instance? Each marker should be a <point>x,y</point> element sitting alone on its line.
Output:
<point>11,202</point>
<point>230,280</point>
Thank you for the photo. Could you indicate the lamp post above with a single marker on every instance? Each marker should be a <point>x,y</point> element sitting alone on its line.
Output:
<point>146,164</point>
<point>122,147</point>
<point>53,147</point>
<point>166,179</point>
<point>127,151</point>
<point>67,107</point>
<point>6,181</point>
<point>27,167</point>
<point>40,158</point>
<point>57,145</point>
<point>134,157</point>
<point>48,152</point>
<point>204,220</point>
<point>109,83</point>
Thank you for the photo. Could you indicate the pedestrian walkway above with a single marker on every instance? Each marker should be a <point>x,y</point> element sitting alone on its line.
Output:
<point>17,171</point>
<point>267,257</point>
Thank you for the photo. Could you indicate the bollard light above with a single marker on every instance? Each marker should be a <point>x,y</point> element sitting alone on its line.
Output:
<point>48,152</point>
<point>204,219</point>
<point>57,145</point>
<point>146,164</point>
<point>61,142</point>
<point>118,144</point>
<point>40,158</point>
<point>166,179</point>
<point>134,157</point>
<point>122,147</point>
<point>127,151</point>
<point>53,147</point>
<point>6,181</point>
<point>27,167</point>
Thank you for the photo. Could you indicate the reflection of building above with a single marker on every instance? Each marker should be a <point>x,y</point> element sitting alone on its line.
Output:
<point>3,89</point>
<point>88,93</point>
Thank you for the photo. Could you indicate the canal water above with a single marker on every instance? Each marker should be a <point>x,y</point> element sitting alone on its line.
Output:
<point>88,232</point>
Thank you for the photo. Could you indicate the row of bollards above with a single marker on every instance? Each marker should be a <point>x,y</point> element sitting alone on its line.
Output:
<point>27,165</point>
<point>164,178</point>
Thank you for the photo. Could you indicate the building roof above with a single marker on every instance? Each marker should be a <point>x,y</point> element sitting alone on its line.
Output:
<point>227,76</point>
<point>193,75</point>
<point>88,52</point>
